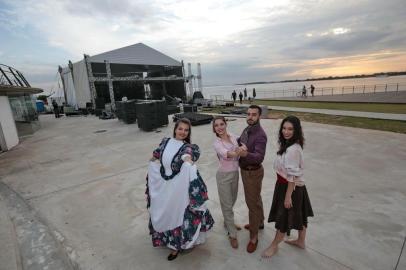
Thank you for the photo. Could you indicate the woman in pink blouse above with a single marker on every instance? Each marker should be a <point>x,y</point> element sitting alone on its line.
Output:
<point>291,204</point>
<point>227,150</point>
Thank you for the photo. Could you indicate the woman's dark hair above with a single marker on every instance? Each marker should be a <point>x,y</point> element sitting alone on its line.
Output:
<point>217,118</point>
<point>297,134</point>
<point>187,122</point>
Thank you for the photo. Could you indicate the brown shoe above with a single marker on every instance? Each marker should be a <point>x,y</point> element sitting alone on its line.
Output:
<point>233,242</point>
<point>247,226</point>
<point>251,247</point>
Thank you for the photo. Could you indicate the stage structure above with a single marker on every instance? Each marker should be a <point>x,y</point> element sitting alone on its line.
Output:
<point>125,72</point>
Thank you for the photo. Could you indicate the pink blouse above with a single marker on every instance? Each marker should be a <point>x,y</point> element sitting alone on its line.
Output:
<point>221,148</point>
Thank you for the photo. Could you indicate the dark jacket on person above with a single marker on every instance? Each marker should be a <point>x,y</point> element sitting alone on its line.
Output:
<point>254,137</point>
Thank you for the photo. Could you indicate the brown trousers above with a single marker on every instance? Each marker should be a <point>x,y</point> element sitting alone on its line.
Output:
<point>252,181</point>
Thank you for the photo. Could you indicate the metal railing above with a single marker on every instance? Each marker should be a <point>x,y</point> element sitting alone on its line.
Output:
<point>12,77</point>
<point>333,91</point>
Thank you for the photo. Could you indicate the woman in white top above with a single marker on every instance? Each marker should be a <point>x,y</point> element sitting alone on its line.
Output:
<point>227,150</point>
<point>291,204</point>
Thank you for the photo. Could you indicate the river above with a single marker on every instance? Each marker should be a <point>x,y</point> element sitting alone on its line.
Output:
<point>324,87</point>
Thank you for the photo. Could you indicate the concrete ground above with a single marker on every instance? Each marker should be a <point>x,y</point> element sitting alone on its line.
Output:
<point>9,257</point>
<point>85,180</point>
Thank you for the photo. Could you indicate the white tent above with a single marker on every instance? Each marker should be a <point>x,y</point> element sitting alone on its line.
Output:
<point>77,81</point>
<point>81,84</point>
<point>69,88</point>
<point>137,54</point>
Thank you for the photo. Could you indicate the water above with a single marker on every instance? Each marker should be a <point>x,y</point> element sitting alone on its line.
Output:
<point>327,87</point>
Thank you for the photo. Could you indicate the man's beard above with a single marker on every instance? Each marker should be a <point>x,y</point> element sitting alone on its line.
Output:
<point>253,123</point>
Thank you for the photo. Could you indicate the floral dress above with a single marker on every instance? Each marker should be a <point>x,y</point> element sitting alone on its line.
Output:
<point>179,218</point>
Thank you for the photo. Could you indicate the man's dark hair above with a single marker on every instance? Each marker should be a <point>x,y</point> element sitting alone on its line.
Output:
<point>256,107</point>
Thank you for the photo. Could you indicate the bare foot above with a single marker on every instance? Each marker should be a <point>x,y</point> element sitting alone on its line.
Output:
<point>233,242</point>
<point>296,243</point>
<point>269,252</point>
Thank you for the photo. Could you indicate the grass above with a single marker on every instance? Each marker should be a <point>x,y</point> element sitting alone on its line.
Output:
<point>345,106</point>
<point>348,121</point>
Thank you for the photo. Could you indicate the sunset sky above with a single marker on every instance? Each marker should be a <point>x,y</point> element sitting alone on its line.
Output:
<point>235,41</point>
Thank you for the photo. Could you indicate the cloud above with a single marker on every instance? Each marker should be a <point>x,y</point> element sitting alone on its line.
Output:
<point>234,40</point>
<point>86,26</point>
<point>332,44</point>
<point>349,65</point>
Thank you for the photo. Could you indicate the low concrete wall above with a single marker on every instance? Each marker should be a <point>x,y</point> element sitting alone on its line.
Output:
<point>8,130</point>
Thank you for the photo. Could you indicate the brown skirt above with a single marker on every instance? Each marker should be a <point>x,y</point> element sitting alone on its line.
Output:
<point>295,217</point>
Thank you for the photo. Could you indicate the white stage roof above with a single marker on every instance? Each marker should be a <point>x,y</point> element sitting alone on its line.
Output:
<point>137,54</point>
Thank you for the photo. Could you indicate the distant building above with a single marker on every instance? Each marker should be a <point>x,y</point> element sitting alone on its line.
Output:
<point>18,115</point>
<point>136,72</point>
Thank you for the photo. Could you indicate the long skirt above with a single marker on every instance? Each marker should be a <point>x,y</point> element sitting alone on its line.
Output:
<point>177,221</point>
<point>295,217</point>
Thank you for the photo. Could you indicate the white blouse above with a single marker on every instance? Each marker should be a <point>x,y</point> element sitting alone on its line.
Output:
<point>172,147</point>
<point>170,151</point>
<point>289,165</point>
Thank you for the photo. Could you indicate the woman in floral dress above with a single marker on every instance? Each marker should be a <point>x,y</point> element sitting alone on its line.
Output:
<point>176,194</point>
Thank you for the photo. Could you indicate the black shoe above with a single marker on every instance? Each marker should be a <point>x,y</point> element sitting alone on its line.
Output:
<point>247,226</point>
<point>172,257</point>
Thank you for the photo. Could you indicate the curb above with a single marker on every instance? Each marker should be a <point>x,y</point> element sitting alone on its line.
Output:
<point>37,245</point>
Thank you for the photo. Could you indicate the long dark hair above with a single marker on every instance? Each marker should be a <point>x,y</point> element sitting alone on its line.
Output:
<point>218,118</point>
<point>297,134</point>
<point>187,122</point>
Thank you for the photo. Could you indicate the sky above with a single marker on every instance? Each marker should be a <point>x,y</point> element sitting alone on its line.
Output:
<point>235,41</point>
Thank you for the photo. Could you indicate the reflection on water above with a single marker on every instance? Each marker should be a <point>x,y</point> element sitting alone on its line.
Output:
<point>326,87</point>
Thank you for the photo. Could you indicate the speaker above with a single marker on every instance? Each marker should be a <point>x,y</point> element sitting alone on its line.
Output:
<point>190,108</point>
<point>128,111</point>
<point>151,114</point>
<point>100,104</point>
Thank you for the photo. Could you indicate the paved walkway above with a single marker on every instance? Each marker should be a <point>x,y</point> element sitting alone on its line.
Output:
<point>374,115</point>
<point>9,255</point>
<point>28,244</point>
<point>89,188</point>
<point>380,97</point>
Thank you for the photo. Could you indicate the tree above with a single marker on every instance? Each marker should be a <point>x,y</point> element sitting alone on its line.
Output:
<point>43,98</point>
